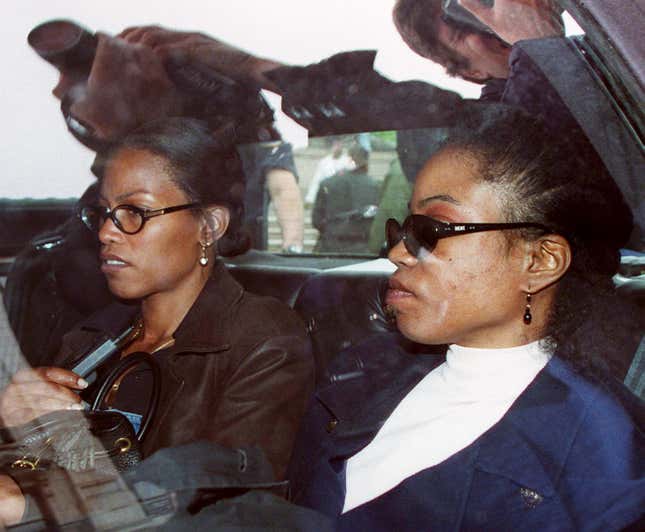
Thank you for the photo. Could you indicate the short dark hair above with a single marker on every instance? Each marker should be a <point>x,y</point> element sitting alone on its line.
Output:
<point>359,155</point>
<point>205,166</point>
<point>416,21</point>
<point>562,184</point>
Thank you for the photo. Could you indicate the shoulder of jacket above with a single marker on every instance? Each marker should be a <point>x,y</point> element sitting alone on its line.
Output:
<point>268,315</point>
<point>611,410</point>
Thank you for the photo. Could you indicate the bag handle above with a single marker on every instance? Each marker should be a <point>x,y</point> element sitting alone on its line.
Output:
<point>118,370</point>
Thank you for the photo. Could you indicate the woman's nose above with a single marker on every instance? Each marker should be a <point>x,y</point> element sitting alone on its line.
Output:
<point>400,255</point>
<point>109,232</point>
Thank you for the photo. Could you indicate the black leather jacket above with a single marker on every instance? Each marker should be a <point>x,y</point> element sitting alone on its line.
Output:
<point>240,371</point>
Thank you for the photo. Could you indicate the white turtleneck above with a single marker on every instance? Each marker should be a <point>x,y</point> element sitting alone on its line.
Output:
<point>445,412</point>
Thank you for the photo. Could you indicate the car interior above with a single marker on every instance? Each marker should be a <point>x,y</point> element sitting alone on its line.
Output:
<point>339,292</point>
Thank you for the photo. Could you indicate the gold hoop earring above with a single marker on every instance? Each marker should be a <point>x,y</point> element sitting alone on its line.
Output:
<point>527,310</point>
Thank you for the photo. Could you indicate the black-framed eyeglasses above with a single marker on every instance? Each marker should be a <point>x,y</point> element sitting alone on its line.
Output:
<point>420,231</point>
<point>127,218</point>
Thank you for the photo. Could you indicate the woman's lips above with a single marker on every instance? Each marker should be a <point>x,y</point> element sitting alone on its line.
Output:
<point>397,292</point>
<point>112,263</point>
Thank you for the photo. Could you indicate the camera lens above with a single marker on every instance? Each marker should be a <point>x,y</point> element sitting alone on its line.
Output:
<point>64,44</point>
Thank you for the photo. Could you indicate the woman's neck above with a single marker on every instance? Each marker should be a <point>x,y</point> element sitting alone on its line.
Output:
<point>163,312</point>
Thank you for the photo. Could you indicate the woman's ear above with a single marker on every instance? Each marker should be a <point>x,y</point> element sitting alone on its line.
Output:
<point>216,220</point>
<point>547,260</point>
<point>474,75</point>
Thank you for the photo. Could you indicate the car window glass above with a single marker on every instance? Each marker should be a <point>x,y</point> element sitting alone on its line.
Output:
<point>61,167</point>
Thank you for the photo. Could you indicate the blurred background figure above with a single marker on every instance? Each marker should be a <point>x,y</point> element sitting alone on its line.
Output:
<point>336,161</point>
<point>345,207</point>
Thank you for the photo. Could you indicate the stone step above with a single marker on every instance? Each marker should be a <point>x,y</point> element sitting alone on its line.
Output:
<point>275,234</point>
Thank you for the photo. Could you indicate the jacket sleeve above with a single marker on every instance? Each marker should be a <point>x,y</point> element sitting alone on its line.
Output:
<point>345,94</point>
<point>265,399</point>
<point>319,213</point>
<point>603,481</point>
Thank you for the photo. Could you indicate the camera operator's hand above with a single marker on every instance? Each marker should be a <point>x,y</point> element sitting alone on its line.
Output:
<point>197,48</point>
<point>35,392</point>
<point>517,20</point>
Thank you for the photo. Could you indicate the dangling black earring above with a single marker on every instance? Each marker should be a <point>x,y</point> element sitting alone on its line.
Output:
<point>527,310</point>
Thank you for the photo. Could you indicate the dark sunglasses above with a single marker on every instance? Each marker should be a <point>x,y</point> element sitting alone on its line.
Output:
<point>127,218</point>
<point>420,231</point>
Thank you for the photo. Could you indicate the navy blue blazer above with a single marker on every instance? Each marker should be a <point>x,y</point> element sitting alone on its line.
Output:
<point>566,456</point>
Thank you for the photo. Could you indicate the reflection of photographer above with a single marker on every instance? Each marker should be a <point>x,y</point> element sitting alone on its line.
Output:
<point>108,87</point>
<point>345,206</point>
<point>473,39</point>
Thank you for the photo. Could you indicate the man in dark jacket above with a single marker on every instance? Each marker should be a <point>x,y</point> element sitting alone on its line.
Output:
<point>345,206</point>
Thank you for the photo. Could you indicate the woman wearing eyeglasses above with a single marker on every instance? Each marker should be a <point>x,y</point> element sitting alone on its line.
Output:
<point>235,367</point>
<point>506,418</point>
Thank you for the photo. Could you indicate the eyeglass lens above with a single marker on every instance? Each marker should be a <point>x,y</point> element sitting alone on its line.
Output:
<point>395,233</point>
<point>413,236</point>
<point>126,219</point>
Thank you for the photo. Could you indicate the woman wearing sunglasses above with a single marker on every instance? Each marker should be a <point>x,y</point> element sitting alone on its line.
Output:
<point>507,417</point>
<point>169,203</point>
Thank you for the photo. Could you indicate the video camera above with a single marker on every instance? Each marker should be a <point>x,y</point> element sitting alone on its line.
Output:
<point>203,93</point>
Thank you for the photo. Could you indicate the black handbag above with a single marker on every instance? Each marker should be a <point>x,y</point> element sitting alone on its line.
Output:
<point>78,441</point>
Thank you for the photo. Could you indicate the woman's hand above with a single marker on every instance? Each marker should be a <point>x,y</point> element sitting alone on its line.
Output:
<point>12,502</point>
<point>35,392</point>
<point>517,20</point>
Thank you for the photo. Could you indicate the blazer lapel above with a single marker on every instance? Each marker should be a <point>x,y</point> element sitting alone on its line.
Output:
<point>530,444</point>
<point>361,399</point>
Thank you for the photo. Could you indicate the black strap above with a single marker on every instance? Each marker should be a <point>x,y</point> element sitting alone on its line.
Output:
<point>118,370</point>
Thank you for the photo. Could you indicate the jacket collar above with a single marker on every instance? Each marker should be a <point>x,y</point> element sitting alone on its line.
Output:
<point>212,306</point>
<point>196,332</point>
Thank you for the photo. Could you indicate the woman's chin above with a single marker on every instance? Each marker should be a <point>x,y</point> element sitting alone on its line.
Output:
<point>120,291</point>
<point>410,328</point>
